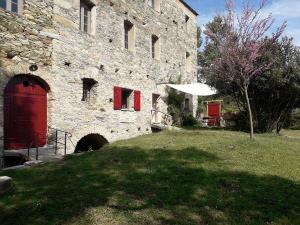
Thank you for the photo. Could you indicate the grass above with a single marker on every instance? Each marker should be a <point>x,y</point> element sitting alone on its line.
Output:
<point>188,177</point>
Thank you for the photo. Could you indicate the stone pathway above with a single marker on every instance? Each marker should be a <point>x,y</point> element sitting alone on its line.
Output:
<point>46,154</point>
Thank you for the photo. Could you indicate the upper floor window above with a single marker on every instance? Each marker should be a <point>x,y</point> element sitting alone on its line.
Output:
<point>188,61</point>
<point>155,4</point>
<point>155,48</point>
<point>86,16</point>
<point>187,19</point>
<point>129,36</point>
<point>87,86</point>
<point>15,6</point>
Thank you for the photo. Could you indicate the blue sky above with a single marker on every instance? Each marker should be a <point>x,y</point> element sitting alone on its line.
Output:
<point>281,10</point>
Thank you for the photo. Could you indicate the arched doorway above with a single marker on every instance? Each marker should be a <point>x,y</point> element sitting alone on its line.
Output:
<point>90,142</point>
<point>25,112</point>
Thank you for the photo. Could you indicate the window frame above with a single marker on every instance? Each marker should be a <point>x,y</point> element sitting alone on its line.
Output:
<point>155,47</point>
<point>188,62</point>
<point>187,105</point>
<point>187,21</point>
<point>129,35</point>
<point>9,6</point>
<point>130,96</point>
<point>86,12</point>
<point>132,102</point>
<point>87,85</point>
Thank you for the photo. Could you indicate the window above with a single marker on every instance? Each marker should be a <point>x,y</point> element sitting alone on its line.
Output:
<point>87,86</point>
<point>155,4</point>
<point>15,6</point>
<point>187,19</point>
<point>85,16</point>
<point>3,4</point>
<point>129,41</point>
<point>125,98</point>
<point>187,105</point>
<point>188,61</point>
<point>155,51</point>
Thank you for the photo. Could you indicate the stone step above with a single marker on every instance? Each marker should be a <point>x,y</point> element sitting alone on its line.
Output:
<point>45,154</point>
<point>159,126</point>
<point>6,185</point>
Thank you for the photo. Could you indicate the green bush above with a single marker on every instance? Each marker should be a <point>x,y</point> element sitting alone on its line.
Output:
<point>175,101</point>
<point>295,119</point>
<point>189,121</point>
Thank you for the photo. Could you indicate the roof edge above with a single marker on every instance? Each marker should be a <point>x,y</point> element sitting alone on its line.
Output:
<point>189,7</point>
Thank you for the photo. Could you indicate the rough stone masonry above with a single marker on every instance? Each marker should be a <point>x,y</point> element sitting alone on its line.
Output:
<point>75,40</point>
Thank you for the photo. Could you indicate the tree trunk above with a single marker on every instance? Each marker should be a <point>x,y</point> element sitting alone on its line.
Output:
<point>278,128</point>
<point>249,112</point>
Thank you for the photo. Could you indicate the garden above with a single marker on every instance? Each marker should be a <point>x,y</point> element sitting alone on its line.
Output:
<point>184,177</point>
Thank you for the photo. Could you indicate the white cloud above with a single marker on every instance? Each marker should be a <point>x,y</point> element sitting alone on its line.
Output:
<point>285,8</point>
<point>288,10</point>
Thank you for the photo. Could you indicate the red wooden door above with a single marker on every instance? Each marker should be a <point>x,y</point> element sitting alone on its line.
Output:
<point>25,113</point>
<point>214,113</point>
<point>214,109</point>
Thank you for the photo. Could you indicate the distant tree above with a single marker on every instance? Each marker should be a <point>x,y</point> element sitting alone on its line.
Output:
<point>279,85</point>
<point>240,47</point>
<point>210,51</point>
<point>199,37</point>
<point>199,53</point>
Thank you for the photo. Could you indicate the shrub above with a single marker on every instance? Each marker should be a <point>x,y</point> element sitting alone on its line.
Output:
<point>175,101</point>
<point>189,121</point>
<point>295,119</point>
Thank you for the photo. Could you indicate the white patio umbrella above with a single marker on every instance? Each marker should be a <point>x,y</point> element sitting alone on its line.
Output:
<point>198,89</point>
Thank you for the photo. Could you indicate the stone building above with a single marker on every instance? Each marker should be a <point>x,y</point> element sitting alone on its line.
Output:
<point>93,68</point>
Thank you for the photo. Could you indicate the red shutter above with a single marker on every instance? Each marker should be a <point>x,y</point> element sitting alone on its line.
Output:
<point>137,100</point>
<point>117,98</point>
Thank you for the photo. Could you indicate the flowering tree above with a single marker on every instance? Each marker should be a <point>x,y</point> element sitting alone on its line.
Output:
<point>240,47</point>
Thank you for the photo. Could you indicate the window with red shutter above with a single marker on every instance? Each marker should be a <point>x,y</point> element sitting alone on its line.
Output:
<point>117,98</point>
<point>137,100</point>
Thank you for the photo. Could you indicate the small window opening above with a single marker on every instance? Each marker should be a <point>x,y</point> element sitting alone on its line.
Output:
<point>155,47</point>
<point>87,86</point>
<point>187,105</point>
<point>129,35</point>
<point>127,98</point>
<point>187,19</point>
<point>85,16</point>
<point>188,61</point>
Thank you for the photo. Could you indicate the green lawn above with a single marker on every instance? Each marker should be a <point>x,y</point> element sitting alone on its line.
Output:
<point>190,177</point>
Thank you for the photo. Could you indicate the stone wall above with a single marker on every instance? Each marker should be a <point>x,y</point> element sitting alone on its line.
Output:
<point>24,41</point>
<point>65,55</point>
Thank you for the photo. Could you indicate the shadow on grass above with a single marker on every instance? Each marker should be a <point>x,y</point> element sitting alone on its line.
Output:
<point>134,179</point>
